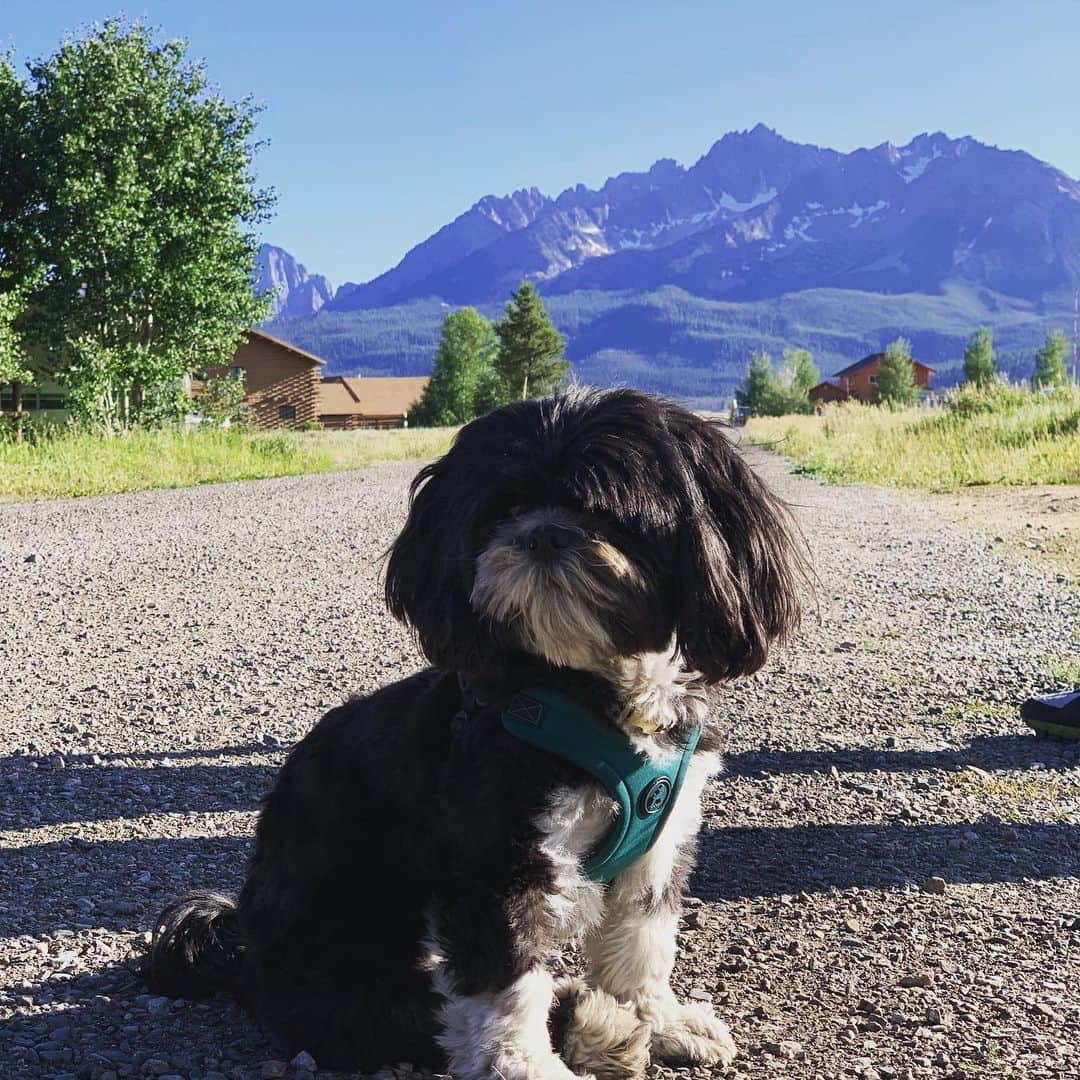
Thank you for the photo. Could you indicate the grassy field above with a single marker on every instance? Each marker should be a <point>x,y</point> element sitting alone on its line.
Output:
<point>1008,438</point>
<point>73,464</point>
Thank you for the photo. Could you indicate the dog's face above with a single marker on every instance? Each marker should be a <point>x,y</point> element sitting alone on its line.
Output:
<point>589,527</point>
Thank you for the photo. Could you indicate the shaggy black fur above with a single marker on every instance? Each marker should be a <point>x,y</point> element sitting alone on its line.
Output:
<point>397,816</point>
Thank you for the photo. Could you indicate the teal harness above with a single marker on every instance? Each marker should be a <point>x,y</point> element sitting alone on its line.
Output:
<point>645,791</point>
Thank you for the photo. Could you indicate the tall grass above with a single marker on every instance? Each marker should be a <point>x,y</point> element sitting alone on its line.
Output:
<point>70,463</point>
<point>1002,436</point>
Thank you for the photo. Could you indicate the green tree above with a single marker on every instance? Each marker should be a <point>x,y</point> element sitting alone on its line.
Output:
<point>979,366</point>
<point>529,361</point>
<point>145,207</point>
<point>798,374</point>
<point>222,398</point>
<point>13,368</point>
<point>896,385</point>
<point>758,389</point>
<point>779,393</point>
<point>20,260</point>
<point>463,382</point>
<point>1050,365</point>
<point>20,265</point>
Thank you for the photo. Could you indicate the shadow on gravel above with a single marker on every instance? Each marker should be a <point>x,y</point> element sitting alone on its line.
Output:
<point>108,1020</point>
<point>102,792</point>
<point>241,750</point>
<point>57,796</point>
<point>990,752</point>
<point>116,885</point>
<point>122,884</point>
<point>743,862</point>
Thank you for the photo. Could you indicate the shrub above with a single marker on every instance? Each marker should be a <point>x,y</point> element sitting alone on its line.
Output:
<point>275,446</point>
<point>972,400</point>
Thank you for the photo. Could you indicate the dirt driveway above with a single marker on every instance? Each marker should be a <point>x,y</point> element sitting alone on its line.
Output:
<point>888,885</point>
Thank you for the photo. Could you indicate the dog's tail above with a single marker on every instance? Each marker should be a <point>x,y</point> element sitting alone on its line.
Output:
<point>197,947</point>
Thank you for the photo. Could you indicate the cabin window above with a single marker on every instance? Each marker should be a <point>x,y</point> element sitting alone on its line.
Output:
<point>286,412</point>
<point>32,400</point>
<point>873,379</point>
<point>237,372</point>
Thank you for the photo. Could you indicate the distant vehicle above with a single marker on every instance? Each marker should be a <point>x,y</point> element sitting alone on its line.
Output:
<point>740,415</point>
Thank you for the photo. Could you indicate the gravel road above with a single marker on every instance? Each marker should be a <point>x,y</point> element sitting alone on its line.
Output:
<point>888,884</point>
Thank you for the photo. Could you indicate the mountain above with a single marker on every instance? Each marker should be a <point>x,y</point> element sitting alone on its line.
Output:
<point>295,292</point>
<point>661,276</point>
<point>481,226</point>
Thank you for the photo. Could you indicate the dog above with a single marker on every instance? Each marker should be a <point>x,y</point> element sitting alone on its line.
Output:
<point>416,864</point>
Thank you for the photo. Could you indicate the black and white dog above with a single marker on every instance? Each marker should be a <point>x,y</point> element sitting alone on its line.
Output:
<point>416,865</point>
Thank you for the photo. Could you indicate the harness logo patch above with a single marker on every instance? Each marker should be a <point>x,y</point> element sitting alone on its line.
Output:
<point>525,710</point>
<point>655,796</point>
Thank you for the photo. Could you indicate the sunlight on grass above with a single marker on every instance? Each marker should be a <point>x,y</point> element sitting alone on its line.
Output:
<point>1023,439</point>
<point>1016,792</point>
<point>1064,673</point>
<point>74,464</point>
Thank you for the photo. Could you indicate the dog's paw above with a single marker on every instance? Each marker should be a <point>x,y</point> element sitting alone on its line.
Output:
<point>691,1035</point>
<point>596,1035</point>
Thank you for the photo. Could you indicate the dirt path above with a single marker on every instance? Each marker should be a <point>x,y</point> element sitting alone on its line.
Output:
<point>1040,523</point>
<point>157,651</point>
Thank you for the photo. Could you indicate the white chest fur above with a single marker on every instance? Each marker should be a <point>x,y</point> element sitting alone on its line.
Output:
<point>578,819</point>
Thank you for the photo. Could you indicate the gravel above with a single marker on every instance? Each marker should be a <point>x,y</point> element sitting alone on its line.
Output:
<point>888,880</point>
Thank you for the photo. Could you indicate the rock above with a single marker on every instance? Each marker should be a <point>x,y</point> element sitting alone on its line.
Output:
<point>304,1060</point>
<point>699,993</point>
<point>692,919</point>
<point>273,1070</point>
<point>935,886</point>
<point>157,1005</point>
<point>52,1055</point>
<point>787,1050</point>
<point>923,978</point>
<point>156,1067</point>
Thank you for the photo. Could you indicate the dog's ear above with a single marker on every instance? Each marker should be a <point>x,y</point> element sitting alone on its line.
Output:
<point>429,573</point>
<point>740,564</point>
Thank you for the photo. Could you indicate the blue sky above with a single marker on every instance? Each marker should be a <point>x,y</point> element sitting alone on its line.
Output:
<point>388,119</point>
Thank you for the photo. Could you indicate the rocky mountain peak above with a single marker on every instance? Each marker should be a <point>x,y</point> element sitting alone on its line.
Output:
<point>759,215</point>
<point>294,291</point>
<point>514,211</point>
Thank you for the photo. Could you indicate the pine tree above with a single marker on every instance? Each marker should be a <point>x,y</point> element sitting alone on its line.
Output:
<point>896,383</point>
<point>530,348</point>
<point>1050,367</point>
<point>979,366</point>
<point>758,390</point>
<point>463,382</point>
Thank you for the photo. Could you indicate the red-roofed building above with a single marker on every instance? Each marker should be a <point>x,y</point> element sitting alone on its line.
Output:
<point>857,381</point>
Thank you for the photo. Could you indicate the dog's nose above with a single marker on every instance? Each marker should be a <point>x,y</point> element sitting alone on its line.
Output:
<point>546,542</point>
